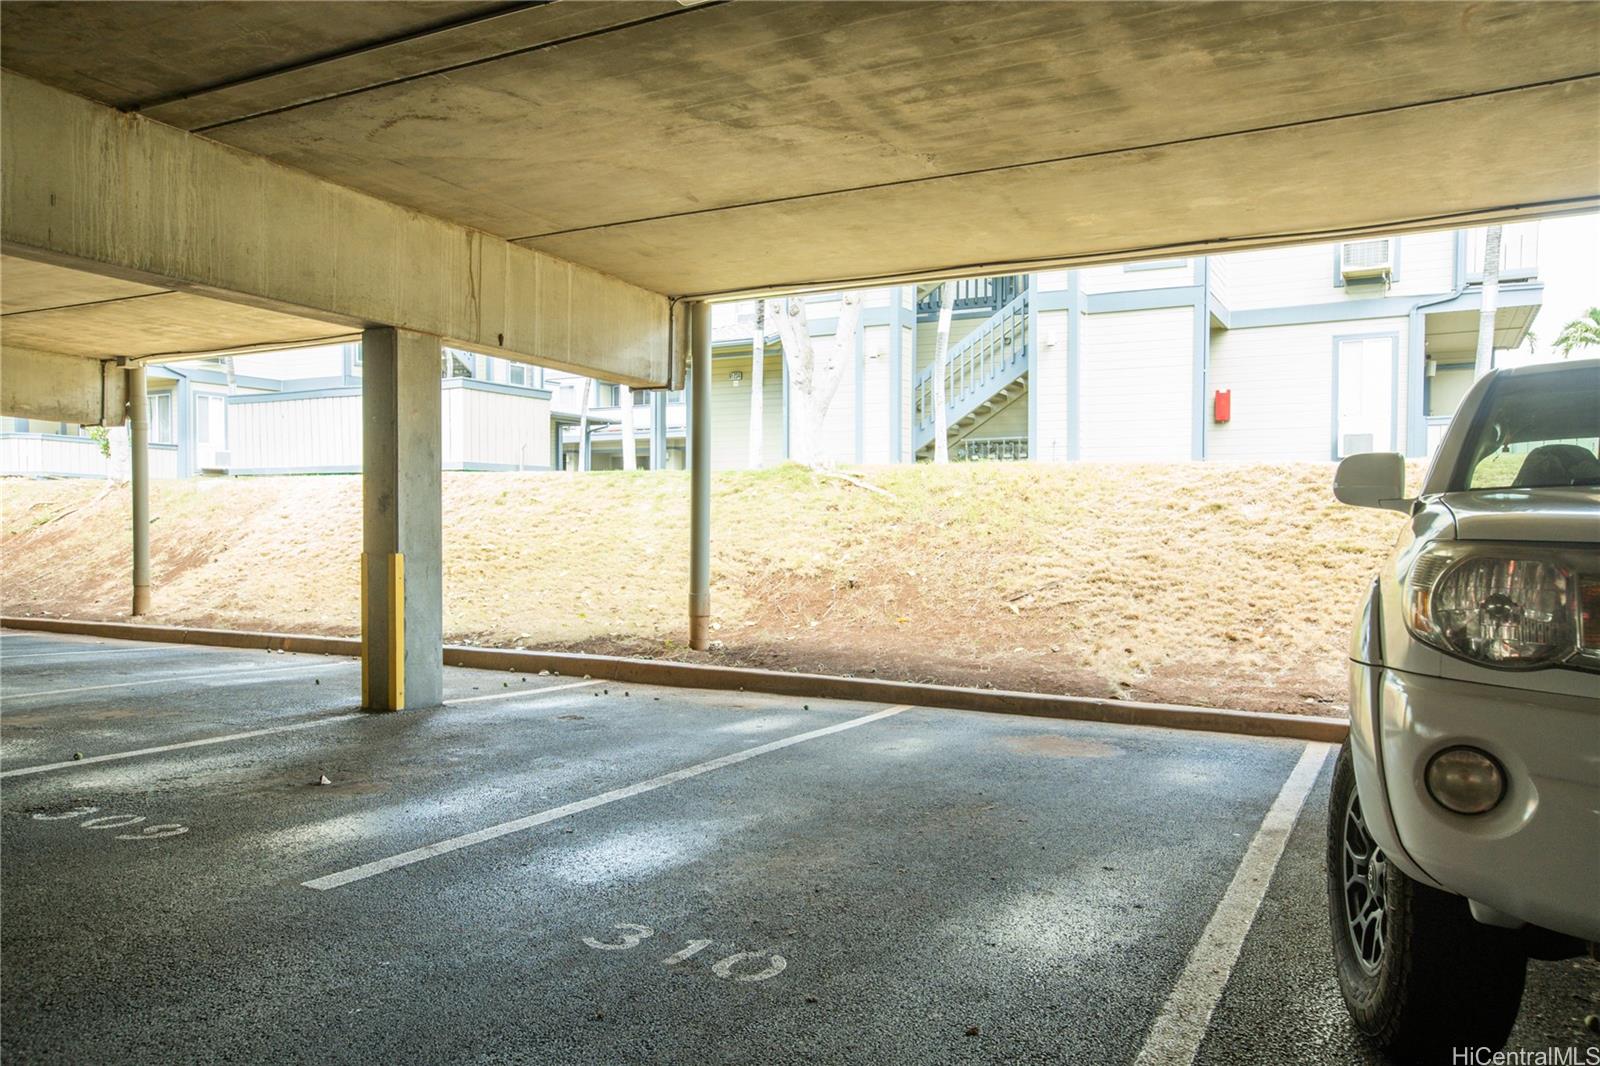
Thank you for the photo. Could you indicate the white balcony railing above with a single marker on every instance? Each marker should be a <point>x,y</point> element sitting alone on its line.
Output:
<point>1519,251</point>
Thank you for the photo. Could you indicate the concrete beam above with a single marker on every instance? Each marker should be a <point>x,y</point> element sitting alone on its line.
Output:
<point>88,187</point>
<point>61,388</point>
<point>402,584</point>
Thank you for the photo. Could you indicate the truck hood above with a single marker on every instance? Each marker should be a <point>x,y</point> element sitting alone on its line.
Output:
<point>1562,515</point>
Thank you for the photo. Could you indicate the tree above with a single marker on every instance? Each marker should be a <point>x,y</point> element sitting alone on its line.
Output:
<point>1491,303</point>
<point>814,379</point>
<point>625,401</point>
<point>941,365</point>
<point>1581,333</point>
<point>758,360</point>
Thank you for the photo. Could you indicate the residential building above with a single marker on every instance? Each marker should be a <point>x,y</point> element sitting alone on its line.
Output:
<point>1308,352</point>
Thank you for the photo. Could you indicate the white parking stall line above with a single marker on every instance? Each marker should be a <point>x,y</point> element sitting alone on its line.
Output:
<point>23,771</point>
<point>78,653</point>
<point>7,697</point>
<point>1175,1038</point>
<point>519,692</point>
<point>467,840</point>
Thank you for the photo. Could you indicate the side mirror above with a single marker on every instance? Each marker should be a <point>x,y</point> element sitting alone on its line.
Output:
<point>1372,479</point>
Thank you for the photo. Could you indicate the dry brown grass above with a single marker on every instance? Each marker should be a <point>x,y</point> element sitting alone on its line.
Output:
<point>1208,584</point>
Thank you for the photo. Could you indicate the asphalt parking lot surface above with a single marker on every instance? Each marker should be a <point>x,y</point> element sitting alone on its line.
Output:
<point>551,870</point>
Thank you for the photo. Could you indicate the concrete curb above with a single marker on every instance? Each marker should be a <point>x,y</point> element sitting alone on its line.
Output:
<point>775,682</point>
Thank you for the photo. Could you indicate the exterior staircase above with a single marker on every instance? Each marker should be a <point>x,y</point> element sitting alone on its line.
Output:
<point>984,373</point>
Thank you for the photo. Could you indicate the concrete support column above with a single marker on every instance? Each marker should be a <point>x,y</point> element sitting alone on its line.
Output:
<point>402,587</point>
<point>139,482</point>
<point>699,435</point>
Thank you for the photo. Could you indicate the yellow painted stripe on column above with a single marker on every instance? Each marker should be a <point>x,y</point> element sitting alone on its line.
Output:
<point>397,632</point>
<point>366,643</point>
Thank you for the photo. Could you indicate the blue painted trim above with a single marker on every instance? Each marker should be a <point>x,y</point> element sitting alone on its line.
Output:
<point>283,397</point>
<point>183,425</point>
<point>1154,264</point>
<point>1393,337</point>
<point>1030,337</point>
<point>273,471</point>
<point>896,374</point>
<point>1055,299</point>
<point>217,377</point>
<point>861,384</point>
<point>1201,369</point>
<point>1394,264</point>
<point>1074,351</point>
<point>1513,295</point>
<point>474,385</point>
<point>1217,309</point>
<point>1142,299</point>
<point>17,434</point>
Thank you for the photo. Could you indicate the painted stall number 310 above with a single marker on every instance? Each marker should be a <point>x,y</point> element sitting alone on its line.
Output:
<point>632,935</point>
<point>116,821</point>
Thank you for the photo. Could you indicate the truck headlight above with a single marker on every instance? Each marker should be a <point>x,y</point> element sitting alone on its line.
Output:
<point>1503,605</point>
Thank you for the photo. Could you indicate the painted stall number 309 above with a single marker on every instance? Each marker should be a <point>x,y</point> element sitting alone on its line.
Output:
<point>116,821</point>
<point>632,935</point>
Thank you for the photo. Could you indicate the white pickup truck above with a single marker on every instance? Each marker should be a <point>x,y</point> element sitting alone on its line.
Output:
<point>1464,827</point>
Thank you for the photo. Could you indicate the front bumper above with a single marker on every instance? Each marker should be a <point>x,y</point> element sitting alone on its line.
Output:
<point>1536,856</point>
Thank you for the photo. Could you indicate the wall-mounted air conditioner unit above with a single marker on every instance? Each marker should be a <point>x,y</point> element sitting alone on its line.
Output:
<point>1360,260</point>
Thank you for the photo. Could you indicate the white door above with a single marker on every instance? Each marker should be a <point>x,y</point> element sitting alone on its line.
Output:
<point>1366,376</point>
<point>210,430</point>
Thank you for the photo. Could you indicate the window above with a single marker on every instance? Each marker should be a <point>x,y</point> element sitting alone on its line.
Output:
<point>1536,431</point>
<point>606,395</point>
<point>642,399</point>
<point>160,412</point>
<point>516,373</point>
<point>1364,377</point>
<point>210,421</point>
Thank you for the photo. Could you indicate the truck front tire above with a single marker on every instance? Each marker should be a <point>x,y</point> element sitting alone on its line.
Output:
<point>1419,976</point>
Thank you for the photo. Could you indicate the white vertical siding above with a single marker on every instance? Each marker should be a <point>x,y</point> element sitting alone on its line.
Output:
<point>908,375</point>
<point>875,393</point>
<point>483,428</point>
<point>839,426</point>
<point>1281,378</point>
<point>1136,385</point>
<point>1304,274</point>
<point>1050,382</point>
<point>1170,273</point>
<point>296,433</point>
<point>51,454</point>
<point>730,413</point>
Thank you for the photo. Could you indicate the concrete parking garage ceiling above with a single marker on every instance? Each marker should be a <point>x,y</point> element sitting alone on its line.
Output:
<point>728,147</point>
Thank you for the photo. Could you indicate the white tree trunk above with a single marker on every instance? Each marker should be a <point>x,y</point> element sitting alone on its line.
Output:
<point>1491,303</point>
<point>814,380</point>
<point>941,366</point>
<point>625,401</point>
<point>758,367</point>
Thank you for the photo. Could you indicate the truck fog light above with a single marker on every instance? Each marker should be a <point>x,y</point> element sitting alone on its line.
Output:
<point>1465,780</point>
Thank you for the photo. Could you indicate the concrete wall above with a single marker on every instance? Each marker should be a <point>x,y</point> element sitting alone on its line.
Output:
<point>1136,385</point>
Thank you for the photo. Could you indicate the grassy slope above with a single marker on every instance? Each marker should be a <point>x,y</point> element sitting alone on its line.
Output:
<point>1209,584</point>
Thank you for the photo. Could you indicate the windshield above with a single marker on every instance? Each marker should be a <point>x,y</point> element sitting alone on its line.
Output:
<point>1535,431</point>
